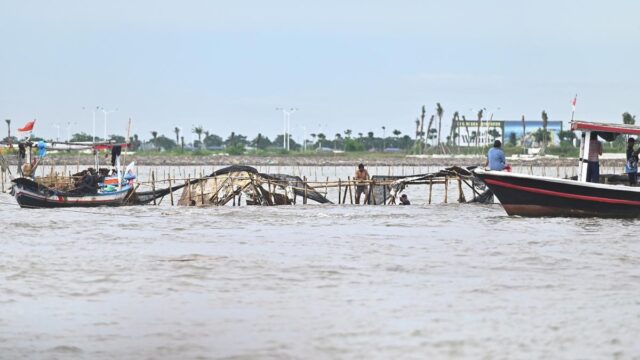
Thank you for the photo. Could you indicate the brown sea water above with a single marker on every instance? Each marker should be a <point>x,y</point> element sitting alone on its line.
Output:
<point>316,281</point>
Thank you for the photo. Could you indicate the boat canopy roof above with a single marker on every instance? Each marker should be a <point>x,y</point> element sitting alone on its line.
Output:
<point>605,128</point>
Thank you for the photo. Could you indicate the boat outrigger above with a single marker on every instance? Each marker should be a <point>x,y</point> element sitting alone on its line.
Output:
<point>536,196</point>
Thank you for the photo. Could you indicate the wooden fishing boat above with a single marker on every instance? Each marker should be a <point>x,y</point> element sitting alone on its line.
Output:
<point>31,194</point>
<point>528,195</point>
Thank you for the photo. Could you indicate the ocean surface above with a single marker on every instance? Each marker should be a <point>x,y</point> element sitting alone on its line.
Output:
<point>316,282</point>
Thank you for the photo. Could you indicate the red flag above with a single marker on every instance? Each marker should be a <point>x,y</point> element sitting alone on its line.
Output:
<point>573,102</point>
<point>28,126</point>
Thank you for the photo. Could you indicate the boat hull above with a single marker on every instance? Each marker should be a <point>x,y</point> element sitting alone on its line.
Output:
<point>536,196</point>
<point>29,194</point>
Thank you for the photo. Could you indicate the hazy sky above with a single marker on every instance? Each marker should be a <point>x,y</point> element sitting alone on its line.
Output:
<point>346,65</point>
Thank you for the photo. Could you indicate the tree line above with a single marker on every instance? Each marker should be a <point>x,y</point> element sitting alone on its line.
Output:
<point>430,140</point>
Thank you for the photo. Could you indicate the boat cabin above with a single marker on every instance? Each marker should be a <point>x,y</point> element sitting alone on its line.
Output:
<point>607,132</point>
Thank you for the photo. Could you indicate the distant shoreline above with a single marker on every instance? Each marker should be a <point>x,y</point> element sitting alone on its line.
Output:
<point>283,160</point>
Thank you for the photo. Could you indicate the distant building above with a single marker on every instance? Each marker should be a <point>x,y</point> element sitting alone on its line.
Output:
<point>392,150</point>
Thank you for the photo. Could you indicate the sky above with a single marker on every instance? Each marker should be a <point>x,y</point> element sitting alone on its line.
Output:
<point>359,65</point>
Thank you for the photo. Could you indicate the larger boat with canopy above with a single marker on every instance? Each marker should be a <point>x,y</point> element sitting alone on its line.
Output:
<point>535,196</point>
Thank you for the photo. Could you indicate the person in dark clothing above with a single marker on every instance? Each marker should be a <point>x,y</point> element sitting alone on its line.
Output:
<point>631,167</point>
<point>404,200</point>
<point>22,155</point>
<point>116,150</point>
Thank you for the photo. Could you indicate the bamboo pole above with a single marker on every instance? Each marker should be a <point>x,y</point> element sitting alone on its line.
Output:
<point>201,192</point>
<point>370,195</point>
<point>189,188</point>
<point>339,190</point>
<point>170,190</point>
<point>215,186</point>
<point>384,194</point>
<point>461,198</point>
<point>350,192</point>
<point>446,189</point>
<point>233,192</point>
<point>153,186</point>
<point>304,199</point>
<point>430,188</point>
<point>326,185</point>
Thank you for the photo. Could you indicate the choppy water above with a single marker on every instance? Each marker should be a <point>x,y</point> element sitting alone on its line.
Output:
<point>423,281</point>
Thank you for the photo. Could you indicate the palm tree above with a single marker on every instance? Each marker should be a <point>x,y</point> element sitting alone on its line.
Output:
<point>627,118</point>
<point>524,133</point>
<point>335,141</point>
<point>545,120</point>
<point>155,136</point>
<point>347,133</point>
<point>440,112</point>
<point>177,131</point>
<point>429,127</point>
<point>417,131</point>
<point>396,133</point>
<point>424,111</point>
<point>313,136</point>
<point>453,128</point>
<point>480,114</point>
<point>466,128</point>
<point>321,138</point>
<point>198,131</point>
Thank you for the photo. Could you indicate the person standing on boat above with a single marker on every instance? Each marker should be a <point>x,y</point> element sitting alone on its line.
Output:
<point>361,176</point>
<point>22,155</point>
<point>495,157</point>
<point>631,167</point>
<point>593,164</point>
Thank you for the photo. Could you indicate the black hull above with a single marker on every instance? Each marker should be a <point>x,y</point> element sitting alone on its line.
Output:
<point>29,194</point>
<point>535,196</point>
<point>27,201</point>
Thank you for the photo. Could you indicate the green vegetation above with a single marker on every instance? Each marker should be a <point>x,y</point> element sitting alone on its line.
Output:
<point>458,140</point>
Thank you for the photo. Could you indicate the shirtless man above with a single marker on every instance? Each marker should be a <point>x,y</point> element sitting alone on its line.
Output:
<point>361,174</point>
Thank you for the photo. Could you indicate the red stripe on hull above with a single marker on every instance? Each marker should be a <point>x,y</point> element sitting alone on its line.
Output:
<point>561,194</point>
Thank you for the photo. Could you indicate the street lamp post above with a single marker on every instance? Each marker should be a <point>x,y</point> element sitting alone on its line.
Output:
<point>106,113</point>
<point>286,119</point>
<point>57,126</point>
<point>93,121</point>
<point>304,138</point>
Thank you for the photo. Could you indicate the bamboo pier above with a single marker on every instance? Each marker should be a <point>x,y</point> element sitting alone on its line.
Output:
<point>244,185</point>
